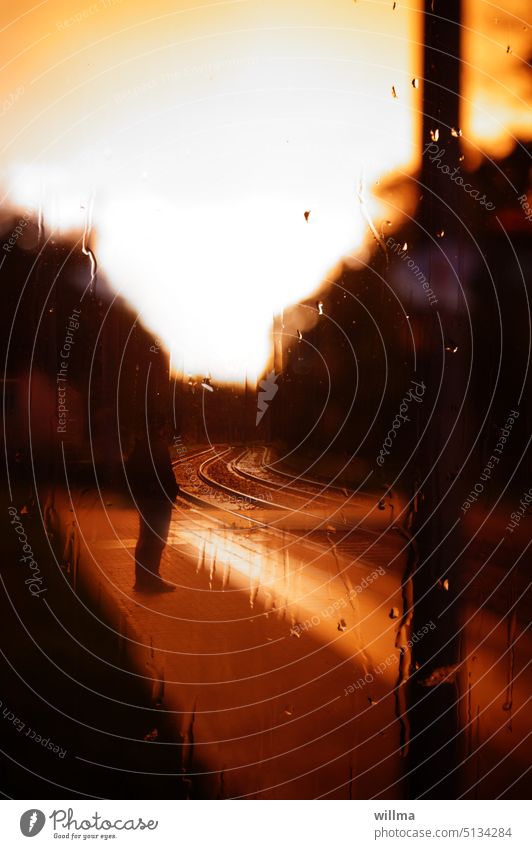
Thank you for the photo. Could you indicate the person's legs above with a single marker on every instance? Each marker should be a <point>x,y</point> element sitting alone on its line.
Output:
<point>153,533</point>
<point>147,551</point>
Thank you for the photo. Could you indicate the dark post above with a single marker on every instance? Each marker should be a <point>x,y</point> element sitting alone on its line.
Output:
<point>443,365</point>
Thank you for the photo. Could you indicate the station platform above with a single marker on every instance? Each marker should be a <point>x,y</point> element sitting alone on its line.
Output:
<point>253,661</point>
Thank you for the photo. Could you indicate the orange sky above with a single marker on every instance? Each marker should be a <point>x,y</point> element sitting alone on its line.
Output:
<point>497,85</point>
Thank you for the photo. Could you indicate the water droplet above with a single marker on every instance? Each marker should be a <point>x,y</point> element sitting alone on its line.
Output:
<point>451,347</point>
<point>365,212</point>
<point>342,625</point>
<point>306,214</point>
<point>299,335</point>
<point>151,735</point>
<point>405,246</point>
<point>394,93</point>
<point>415,82</point>
<point>508,49</point>
<point>456,133</point>
<point>320,307</point>
<point>394,613</point>
<point>435,134</point>
<point>85,250</point>
<point>440,234</point>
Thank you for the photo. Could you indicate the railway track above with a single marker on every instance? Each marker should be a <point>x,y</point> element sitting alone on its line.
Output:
<point>230,499</point>
<point>219,474</point>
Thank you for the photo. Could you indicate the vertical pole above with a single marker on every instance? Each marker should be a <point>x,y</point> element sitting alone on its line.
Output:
<point>443,364</point>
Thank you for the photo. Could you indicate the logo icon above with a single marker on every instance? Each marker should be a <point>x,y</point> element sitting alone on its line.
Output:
<point>268,389</point>
<point>32,822</point>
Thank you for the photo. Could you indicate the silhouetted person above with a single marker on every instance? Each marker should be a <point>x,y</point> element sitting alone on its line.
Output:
<point>154,489</point>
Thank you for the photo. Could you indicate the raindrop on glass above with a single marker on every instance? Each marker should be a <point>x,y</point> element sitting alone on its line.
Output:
<point>151,735</point>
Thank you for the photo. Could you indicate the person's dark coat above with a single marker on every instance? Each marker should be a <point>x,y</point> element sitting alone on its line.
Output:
<point>149,471</point>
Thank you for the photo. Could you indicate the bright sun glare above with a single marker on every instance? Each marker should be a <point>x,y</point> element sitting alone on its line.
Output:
<point>201,170</point>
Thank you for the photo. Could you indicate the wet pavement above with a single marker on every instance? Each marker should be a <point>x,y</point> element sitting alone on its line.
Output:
<point>275,661</point>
